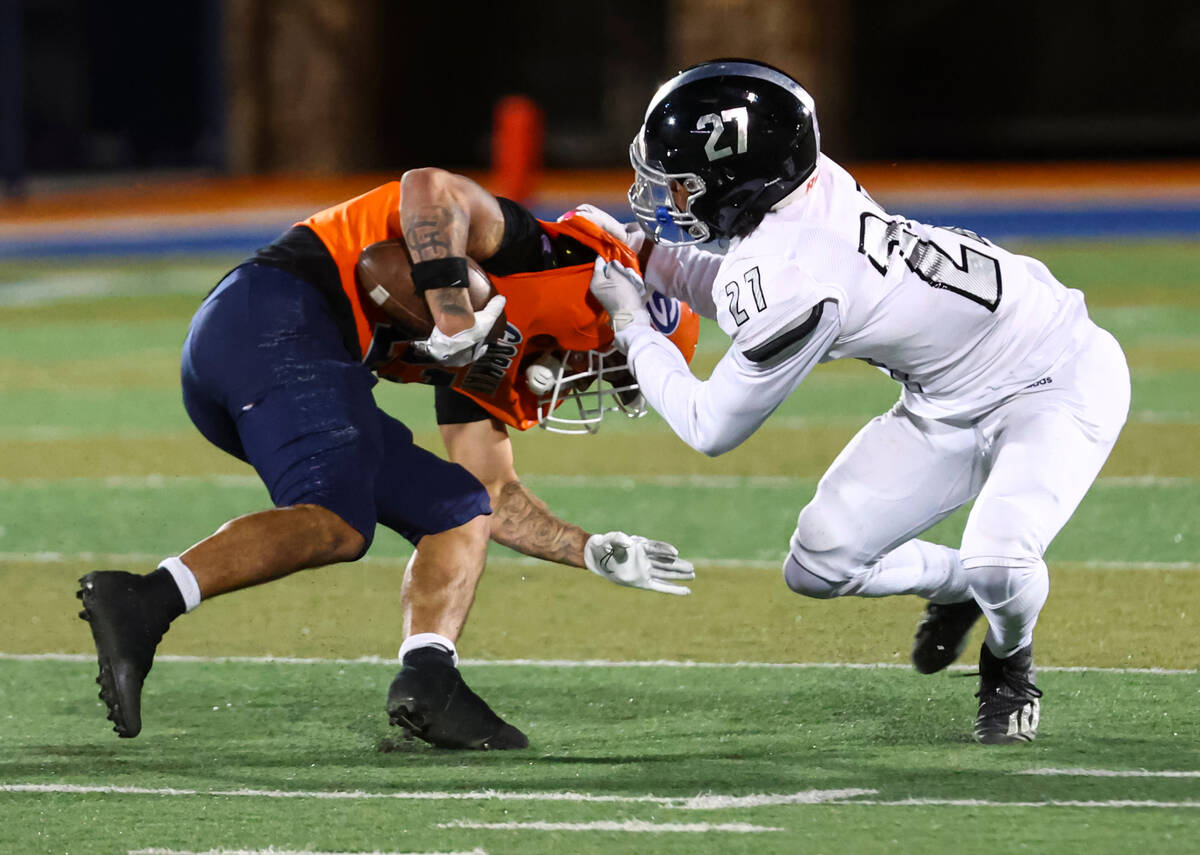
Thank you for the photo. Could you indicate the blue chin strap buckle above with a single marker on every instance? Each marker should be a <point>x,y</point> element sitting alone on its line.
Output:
<point>662,215</point>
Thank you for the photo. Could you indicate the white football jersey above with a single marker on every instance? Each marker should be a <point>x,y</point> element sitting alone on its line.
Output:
<point>960,322</point>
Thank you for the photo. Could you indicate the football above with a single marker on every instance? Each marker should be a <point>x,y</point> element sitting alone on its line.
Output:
<point>384,273</point>
<point>542,373</point>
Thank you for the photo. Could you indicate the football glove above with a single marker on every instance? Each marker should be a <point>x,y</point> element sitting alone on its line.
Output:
<point>634,561</point>
<point>630,234</point>
<point>622,293</point>
<point>464,347</point>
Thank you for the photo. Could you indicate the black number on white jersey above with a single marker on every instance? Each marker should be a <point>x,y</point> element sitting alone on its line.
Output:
<point>734,291</point>
<point>976,276</point>
<point>900,376</point>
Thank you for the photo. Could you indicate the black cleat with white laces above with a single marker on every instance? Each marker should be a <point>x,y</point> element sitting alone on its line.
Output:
<point>430,701</point>
<point>1009,702</point>
<point>128,615</point>
<point>942,634</point>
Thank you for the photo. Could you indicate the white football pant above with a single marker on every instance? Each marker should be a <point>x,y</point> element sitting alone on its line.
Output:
<point>1027,463</point>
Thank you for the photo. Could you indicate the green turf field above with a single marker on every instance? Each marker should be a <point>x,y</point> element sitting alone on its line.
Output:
<point>794,750</point>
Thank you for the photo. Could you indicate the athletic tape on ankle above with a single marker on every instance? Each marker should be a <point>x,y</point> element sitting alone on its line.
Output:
<point>429,639</point>
<point>185,580</point>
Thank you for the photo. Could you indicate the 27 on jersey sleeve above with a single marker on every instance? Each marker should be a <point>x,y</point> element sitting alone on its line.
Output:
<point>767,303</point>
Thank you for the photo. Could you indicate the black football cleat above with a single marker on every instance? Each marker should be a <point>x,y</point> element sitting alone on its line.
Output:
<point>126,632</point>
<point>1009,702</point>
<point>942,634</point>
<point>430,701</point>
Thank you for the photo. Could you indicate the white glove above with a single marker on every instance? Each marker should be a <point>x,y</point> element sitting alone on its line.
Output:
<point>636,562</point>
<point>464,347</point>
<point>621,292</point>
<point>630,234</point>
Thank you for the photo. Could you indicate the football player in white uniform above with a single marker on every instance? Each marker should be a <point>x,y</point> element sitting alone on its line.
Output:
<point>1011,395</point>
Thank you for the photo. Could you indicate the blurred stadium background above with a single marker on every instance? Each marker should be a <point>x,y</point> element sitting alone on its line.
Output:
<point>146,147</point>
<point>256,111</point>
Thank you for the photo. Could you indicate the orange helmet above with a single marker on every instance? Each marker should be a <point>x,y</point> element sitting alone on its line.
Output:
<point>557,347</point>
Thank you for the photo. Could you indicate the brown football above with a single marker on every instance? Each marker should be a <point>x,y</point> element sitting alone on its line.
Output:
<point>384,273</point>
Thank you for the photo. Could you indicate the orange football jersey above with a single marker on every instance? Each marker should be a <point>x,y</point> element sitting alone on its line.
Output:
<point>547,310</point>
<point>346,230</point>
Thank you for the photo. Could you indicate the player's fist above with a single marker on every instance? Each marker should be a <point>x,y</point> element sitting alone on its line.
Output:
<point>464,347</point>
<point>621,292</point>
<point>634,561</point>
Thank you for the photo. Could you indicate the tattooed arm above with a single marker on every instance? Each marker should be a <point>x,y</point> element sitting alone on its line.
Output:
<point>444,215</point>
<point>520,520</point>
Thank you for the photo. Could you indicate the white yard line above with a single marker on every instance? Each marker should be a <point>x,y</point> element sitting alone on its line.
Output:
<point>156,480</point>
<point>57,433</point>
<point>1136,565</point>
<point>1146,481</point>
<point>77,557</point>
<point>581,663</point>
<point>51,433</point>
<point>773,565</point>
<point>1113,773</point>
<point>712,801</point>
<point>707,801</point>
<point>271,850</point>
<point>1158,417</point>
<point>977,803</point>
<point>632,825</point>
<point>152,481</point>
<point>845,797</point>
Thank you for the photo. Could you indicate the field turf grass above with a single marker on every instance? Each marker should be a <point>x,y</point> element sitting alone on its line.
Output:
<point>647,734</point>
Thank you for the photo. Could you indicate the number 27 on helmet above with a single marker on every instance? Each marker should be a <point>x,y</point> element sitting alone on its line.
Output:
<point>722,143</point>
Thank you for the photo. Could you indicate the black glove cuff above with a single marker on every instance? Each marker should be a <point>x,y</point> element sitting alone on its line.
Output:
<point>440,273</point>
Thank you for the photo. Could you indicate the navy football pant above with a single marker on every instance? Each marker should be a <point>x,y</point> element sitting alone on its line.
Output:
<point>267,378</point>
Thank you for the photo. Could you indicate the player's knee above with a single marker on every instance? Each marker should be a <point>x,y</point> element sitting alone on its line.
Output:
<point>820,561</point>
<point>999,582</point>
<point>807,583</point>
<point>466,537</point>
<point>333,539</point>
<point>478,530</point>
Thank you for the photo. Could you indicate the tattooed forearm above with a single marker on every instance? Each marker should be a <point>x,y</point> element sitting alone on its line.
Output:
<point>450,301</point>
<point>434,231</point>
<point>521,521</point>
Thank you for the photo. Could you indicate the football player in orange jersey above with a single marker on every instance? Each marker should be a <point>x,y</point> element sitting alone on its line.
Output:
<point>278,369</point>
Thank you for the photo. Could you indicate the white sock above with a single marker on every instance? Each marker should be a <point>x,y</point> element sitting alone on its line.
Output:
<point>917,567</point>
<point>429,639</point>
<point>185,580</point>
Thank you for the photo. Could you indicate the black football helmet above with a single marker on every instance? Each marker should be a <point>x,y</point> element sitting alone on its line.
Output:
<point>736,134</point>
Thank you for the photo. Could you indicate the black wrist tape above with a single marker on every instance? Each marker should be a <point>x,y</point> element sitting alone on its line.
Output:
<point>440,273</point>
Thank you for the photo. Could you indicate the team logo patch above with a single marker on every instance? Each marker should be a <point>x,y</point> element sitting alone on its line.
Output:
<point>664,312</point>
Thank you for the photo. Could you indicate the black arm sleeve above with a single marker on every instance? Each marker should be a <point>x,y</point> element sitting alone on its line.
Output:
<point>524,246</point>
<point>455,408</point>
